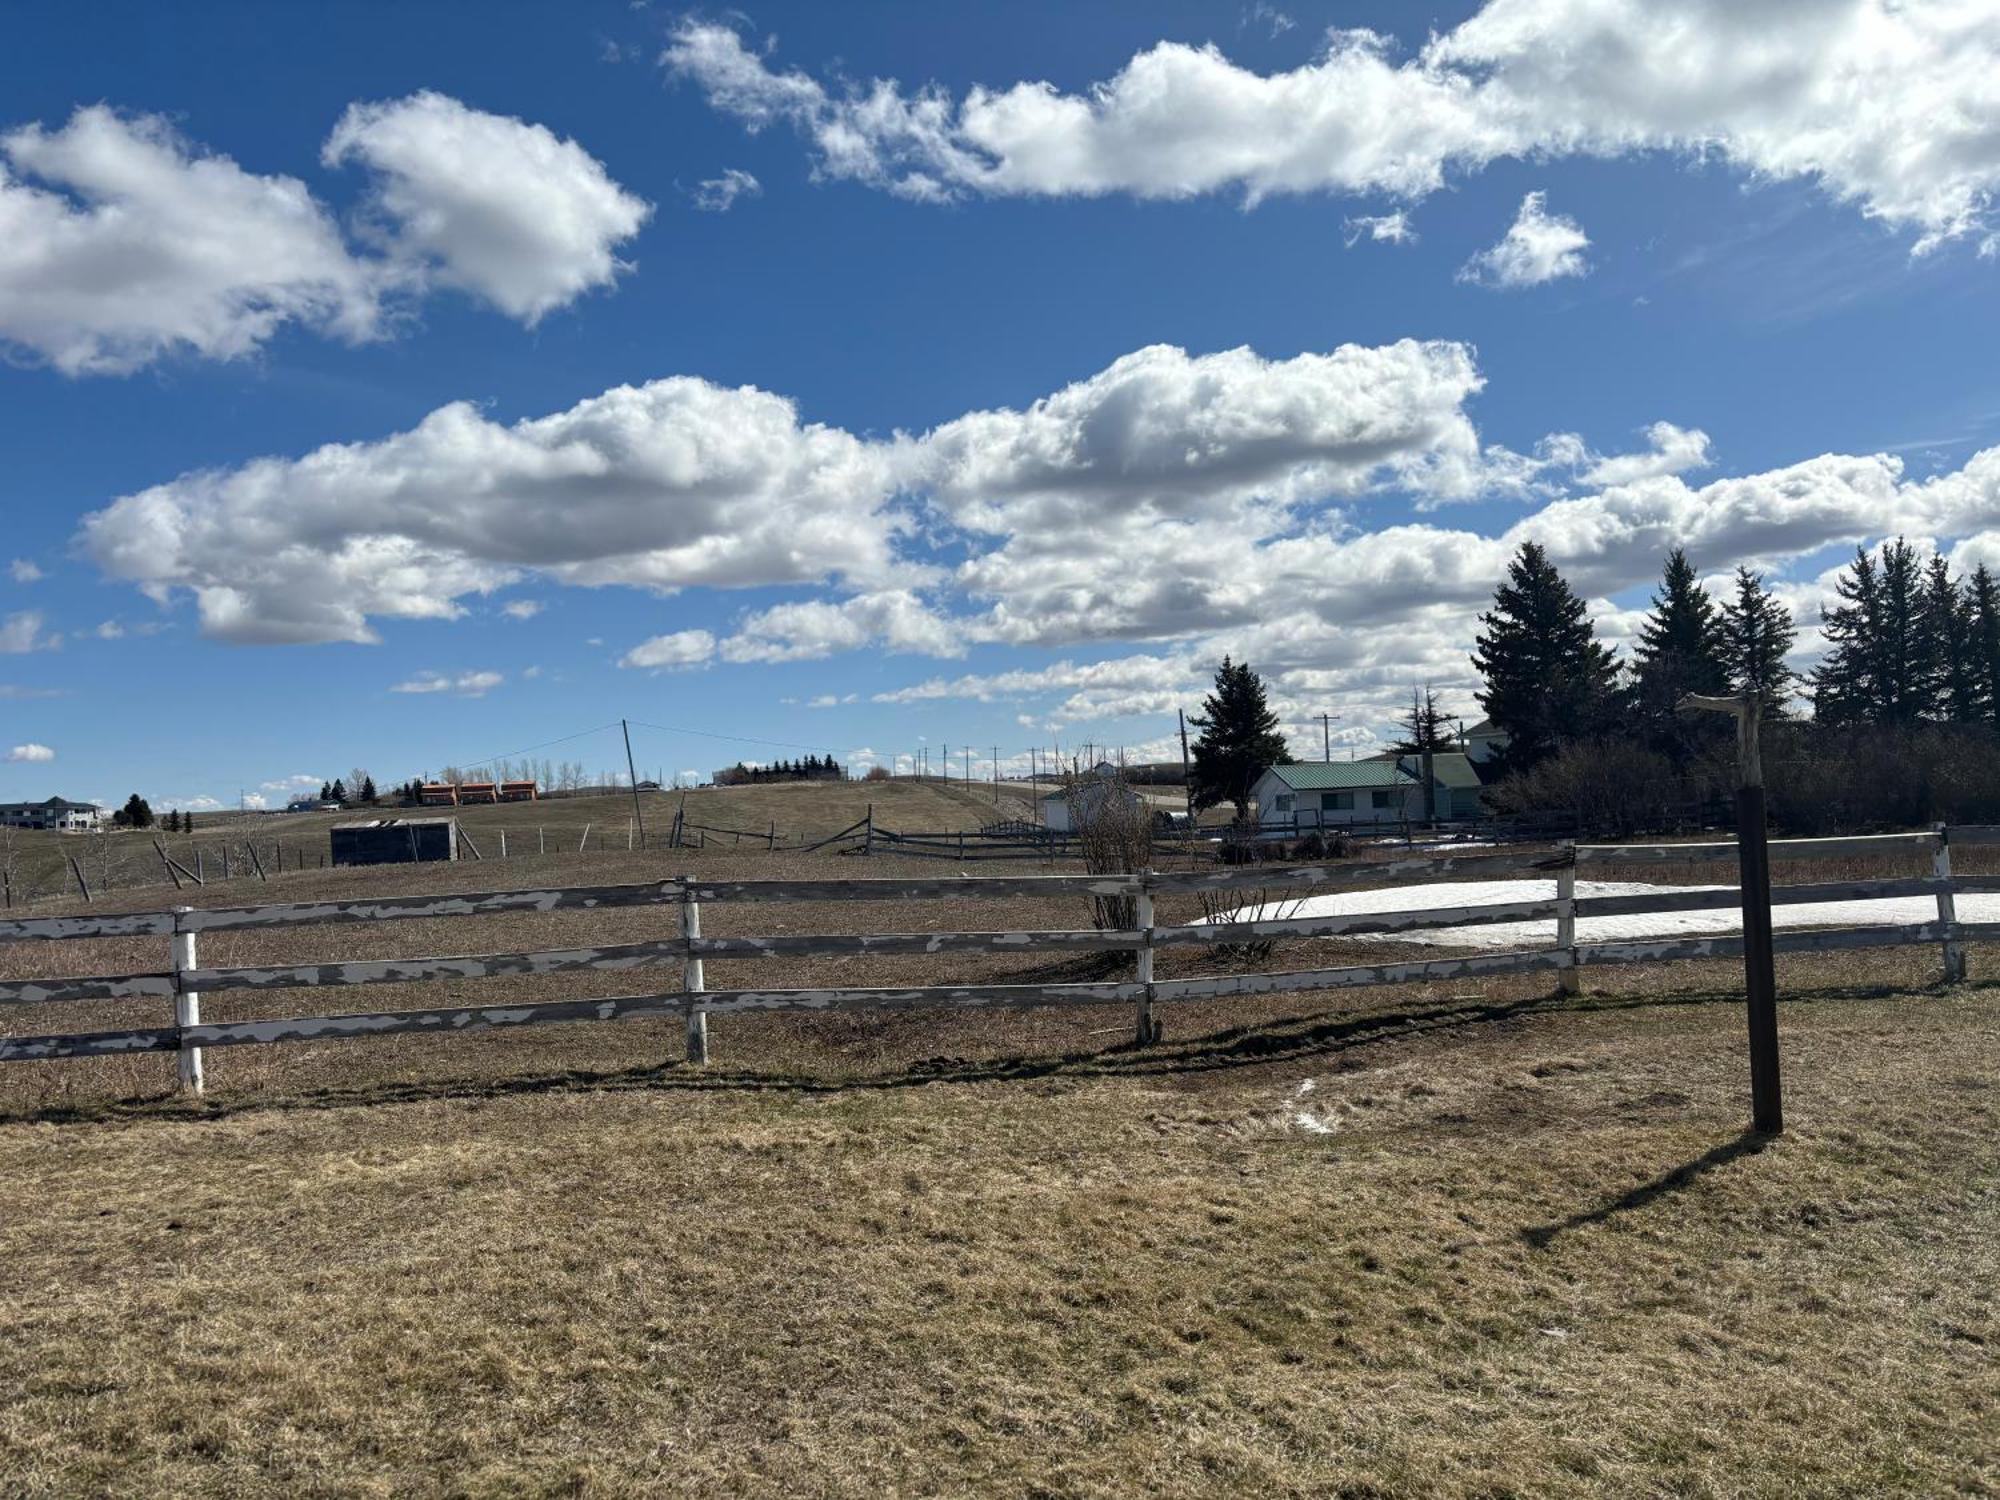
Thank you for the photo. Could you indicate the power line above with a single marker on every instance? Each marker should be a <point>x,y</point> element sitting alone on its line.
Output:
<point>741,739</point>
<point>545,744</point>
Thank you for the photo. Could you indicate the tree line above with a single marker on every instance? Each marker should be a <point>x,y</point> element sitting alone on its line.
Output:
<point>1899,722</point>
<point>810,768</point>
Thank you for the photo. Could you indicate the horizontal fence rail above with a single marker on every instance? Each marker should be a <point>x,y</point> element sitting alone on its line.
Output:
<point>187,980</point>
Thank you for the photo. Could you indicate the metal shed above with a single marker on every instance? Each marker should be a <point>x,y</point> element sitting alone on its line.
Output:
<point>395,841</point>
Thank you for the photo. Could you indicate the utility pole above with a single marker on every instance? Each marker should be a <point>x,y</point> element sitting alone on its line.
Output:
<point>1753,863</point>
<point>1187,776</point>
<point>638,814</point>
<point>1326,734</point>
<point>996,775</point>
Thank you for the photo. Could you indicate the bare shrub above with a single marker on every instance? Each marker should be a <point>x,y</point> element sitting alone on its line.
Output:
<point>1222,906</point>
<point>1613,786</point>
<point>1114,832</point>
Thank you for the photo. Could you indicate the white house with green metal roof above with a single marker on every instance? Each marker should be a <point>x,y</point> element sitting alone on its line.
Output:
<point>1344,794</point>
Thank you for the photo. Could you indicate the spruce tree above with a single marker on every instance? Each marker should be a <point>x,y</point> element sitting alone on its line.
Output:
<point>1680,651</point>
<point>1757,631</point>
<point>1239,739</point>
<point>136,813</point>
<point>368,793</point>
<point>1950,672</point>
<point>1982,605</point>
<point>1427,726</point>
<point>1548,680</point>
<point>338,792</point>
<point>1878,668</point>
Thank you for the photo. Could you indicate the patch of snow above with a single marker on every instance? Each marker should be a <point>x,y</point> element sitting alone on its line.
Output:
<point>1896,911</point>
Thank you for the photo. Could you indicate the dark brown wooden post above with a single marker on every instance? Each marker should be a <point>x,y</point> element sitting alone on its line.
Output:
<point>1753,860</point>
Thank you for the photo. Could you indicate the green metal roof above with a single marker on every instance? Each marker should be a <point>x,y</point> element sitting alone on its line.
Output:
<point>1339,775</point>
<point>1452,769</point>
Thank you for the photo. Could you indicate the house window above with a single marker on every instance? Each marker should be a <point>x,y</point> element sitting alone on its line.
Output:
<point>1286,802</point>
<point>1380,800</point>
<point>1336,802</point>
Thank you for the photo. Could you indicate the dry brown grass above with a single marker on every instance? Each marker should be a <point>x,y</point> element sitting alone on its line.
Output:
<point>802,812</point>
<point>1506,1244</point>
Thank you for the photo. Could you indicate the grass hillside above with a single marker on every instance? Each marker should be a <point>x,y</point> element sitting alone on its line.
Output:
<point>802,812</point>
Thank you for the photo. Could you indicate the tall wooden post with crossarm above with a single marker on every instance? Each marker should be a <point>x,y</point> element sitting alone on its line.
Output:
<point>1753,859</point>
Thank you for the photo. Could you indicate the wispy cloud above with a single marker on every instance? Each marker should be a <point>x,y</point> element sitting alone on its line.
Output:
<point>465,684</point>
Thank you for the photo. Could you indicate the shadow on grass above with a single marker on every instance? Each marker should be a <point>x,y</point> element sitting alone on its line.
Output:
<point>1750,1142</point>
<point>1288,1039</point>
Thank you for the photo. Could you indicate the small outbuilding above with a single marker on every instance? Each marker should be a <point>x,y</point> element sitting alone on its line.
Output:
<point>1074,808</point>
<point>395,841</point>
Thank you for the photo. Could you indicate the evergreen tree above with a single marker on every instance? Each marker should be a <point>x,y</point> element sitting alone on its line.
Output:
<point>1878,668</point>
<point>1427,726</point>
<point>1239,739</point>
<point>1680,651</point>
<point>325,791</point>
<point>187,822</point>
<point>1548,679</point>
<point>136,813</point>
<point>1982,605</point>
<point>1757,631</point>
<point>338,792</point>
<point>1950,671</point>
<point>368,793</point>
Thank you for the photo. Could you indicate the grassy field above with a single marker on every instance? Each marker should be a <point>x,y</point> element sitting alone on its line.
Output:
<point>1466,1239</point>
<point>801,812</point>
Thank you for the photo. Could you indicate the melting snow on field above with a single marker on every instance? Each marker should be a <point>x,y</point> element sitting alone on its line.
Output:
<point>1897,911</point>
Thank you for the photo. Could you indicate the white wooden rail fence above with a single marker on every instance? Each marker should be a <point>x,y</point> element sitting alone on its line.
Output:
<point>187,981</point>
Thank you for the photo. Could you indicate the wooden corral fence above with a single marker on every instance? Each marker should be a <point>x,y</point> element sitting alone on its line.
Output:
<point>186,981</point>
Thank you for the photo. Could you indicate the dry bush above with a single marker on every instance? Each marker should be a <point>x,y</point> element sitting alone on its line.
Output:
<point>1614,787</point>
<point>1270,905</point>
<point>1114,834</point>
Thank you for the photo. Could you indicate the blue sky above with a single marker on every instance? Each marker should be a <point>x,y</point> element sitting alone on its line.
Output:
<point>513,217</point>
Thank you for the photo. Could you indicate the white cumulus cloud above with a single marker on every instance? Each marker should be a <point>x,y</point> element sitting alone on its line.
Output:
<point>683,648</point>
<point>495,206</point>
<point>666,485</point>
<point>122,242</point>
<point>23,571</point>
<point>1538,247</point>
<point>1887,105</point>
<point>30,753</point>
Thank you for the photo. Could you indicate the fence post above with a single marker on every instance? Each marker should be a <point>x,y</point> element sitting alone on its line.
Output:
<point>187,1003</point>
<point>503,843</point>
<point>1954,951</point>
<point>691,979</point>
<point>1148,1023</point>
<point>1569,980</point>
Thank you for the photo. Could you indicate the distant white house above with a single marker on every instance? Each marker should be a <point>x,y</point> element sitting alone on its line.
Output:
<point>1345,794</point>
<point>57,813</point>
<point>1069,810</point>
<point>1483,741</point>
